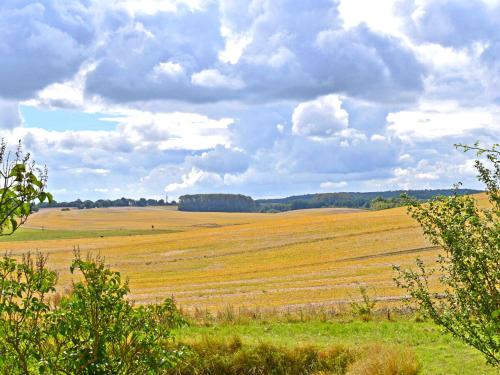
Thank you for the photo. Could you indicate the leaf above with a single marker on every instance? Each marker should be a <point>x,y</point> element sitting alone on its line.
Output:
<point>13,223</point>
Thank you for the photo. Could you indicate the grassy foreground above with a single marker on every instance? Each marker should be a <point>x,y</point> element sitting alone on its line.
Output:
<point>436,352</point>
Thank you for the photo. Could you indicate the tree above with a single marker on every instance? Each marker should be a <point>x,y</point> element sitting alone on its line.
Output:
<point>469,271</point>
<point>22,183</point>
<point>97,330</point>
<point>24,290</point>
<point>94,329</point>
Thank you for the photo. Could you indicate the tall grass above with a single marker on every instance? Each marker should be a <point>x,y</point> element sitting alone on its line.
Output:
<point>386,360</point>
<point>217,356</point>
<point>230,314</point>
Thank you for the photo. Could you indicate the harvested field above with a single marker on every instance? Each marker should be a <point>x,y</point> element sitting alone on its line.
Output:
<point>211,260</point>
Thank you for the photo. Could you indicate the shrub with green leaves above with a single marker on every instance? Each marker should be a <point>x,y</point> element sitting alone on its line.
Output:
<point>24,304</point>
<point>469,270</point>
<point>94,329</point>
<point>23,183</point>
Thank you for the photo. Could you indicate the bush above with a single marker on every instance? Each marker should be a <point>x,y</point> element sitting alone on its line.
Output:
<point>92,330</point>
<point>212,356</point>
<point>365,307</point>
<point>469,272</point>
<point>218,356</point>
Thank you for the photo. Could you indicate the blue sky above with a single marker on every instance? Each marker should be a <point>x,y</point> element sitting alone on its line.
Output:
<point>262,97</point>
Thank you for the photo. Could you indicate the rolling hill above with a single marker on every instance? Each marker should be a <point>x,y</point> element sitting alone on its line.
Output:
<point>209,260</point>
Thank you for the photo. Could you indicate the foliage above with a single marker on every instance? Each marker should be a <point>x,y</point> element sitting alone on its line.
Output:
<point>350,200</point>
<point>24,290</point>
<point>92,330</point>
<point>469,272</point>
<point>232,357</point>
<point>104,203</point>
<point>212,355</point>
<point>365,307</point>
<point>380,203</point>
<point>438,353</point>
<point>216,202</point>
<point>22,184</point>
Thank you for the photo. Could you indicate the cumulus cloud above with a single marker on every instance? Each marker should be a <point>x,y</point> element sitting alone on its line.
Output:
<point>213,78</point>
<point>42,42</point>
<point>267,97</point>
<point>329,185</point>
<point>193,180</point>
<point>169,68</point>
<point>435,120</point>
<point>251,51</point>
<point>455,23</point>
<point>322,117</point>
<point>221,160</point>
<point>9,114</point>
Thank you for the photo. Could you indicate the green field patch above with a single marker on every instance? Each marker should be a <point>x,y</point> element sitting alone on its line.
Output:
<point>439,354</point>
<point>28,234</point>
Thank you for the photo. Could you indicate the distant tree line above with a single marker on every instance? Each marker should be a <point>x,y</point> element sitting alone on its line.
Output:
<point>103,203</point>
<point>369,200</point>
<point>243,203</point>
<point>216,203</point>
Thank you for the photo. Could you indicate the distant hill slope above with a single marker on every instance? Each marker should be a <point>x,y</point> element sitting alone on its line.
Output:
<point>241,203</point>
<point>349,199</point>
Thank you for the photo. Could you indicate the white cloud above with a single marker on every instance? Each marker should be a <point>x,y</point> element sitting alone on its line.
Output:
<point>214,79</point>
<point>172,131</point>
<point>262,97</point>
<point>436,120</point>
<point>234,47</point>
<point>169,68</point>
<point>328,185</point>
<point>377,137</point>
<point>323,117</point>
<point>151,7</point>
<point>221,160</point>
<point>67,94</point>
<point>378,15</point>
<point>86,171</point>
<point>192,179</point>
<point>9,114</point>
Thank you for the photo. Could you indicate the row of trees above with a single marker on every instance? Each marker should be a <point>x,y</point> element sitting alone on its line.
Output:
<point>104,203</point>
<point>373,200</point>
<point>216,203</point>
<point>368,200</point>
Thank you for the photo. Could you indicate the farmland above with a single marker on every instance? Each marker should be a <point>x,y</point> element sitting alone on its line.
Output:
<point>210,260</point>
<point>274,278</point>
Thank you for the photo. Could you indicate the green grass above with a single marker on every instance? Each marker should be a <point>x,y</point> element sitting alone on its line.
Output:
<point>438,353</point>
<point>28,234</point>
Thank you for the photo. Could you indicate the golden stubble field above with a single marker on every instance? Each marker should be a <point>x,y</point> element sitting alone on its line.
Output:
<point>292,259</point>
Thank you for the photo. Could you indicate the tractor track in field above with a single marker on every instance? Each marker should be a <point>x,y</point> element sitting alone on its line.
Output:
<point>390,253</point>
<point>289,244</point>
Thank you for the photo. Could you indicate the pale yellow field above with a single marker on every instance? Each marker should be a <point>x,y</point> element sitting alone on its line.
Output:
<point>265,260</point>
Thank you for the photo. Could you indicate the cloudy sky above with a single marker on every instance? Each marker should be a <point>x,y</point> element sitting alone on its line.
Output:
<point>262,97</point>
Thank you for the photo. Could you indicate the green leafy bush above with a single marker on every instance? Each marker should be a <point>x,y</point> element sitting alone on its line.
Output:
<point>214,356</point>
<point>469,271</point>
<point>22,183</point>
<point>92,330</point>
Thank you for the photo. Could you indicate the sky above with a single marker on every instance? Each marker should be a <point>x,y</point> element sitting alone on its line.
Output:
<point>267,98</point>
